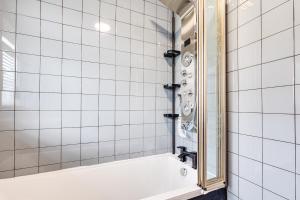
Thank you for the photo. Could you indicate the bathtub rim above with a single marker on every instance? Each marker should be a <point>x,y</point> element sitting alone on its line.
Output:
<point>176,194</point>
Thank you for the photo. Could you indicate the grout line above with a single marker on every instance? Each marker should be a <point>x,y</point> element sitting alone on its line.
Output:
<point>39,111</point>
<point>98,96</point>
<point>261,96</point>
<point>238,106</point>
<point>15,88</point>
<point>81,83</point>
<point>295,104</point>
<point>130,79</point>
<point>61,90</point>
<point>115,93</point>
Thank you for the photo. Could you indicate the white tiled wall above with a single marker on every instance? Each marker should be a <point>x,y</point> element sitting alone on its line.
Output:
<point>81,82</point>
<point>263,104</point>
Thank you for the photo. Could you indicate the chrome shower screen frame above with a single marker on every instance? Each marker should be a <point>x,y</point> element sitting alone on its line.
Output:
<point>203,41</point>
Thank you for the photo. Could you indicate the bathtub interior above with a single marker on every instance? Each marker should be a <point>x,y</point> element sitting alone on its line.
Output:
<point>129,180</point>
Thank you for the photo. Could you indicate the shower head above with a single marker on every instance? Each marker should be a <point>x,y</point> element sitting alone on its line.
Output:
<point>180,7</point>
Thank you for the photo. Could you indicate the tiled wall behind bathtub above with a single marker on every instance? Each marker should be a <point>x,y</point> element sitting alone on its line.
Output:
<point>73,95</point>
<point>263,99</point>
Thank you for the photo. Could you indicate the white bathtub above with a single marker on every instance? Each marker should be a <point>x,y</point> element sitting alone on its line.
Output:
<point>156,177</point>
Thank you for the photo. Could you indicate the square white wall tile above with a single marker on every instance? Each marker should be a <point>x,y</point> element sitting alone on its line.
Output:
<point>74,4</point>
<point>248,190</point>
<point>282,16</point>
<point>108,10</point>
<point>250,170</point>
<point>278,46</point>
<point>287,181</point>
<point>233,184</point>
<point>106,149</point>
<point>298,129</point>
<point>248,11</point>
<point>267,195</point>
<point>50,137</point>
<point>250,124</point>
<point>278,73</point>
<point>28,26</point>
<point>26,101</point>
<point>233,121</point>
<point>297,70</point>
<point>249,55</point>
<point>51,12</point>
<point>29,7</point>
<point>297,14</point>
<point>286,153</point>
<point>26,158</point>
<point>89,134</point>
<point>250,78</point>
<point>8,5</point>
<point>51,30</point>
<point>250,32</point>
<point>270,4</point>
<point>89,151</point>
<point>50,155</point>
<point>70,153</point>
<point>279,127</point>
<point>91,6</point>
<point>50,119</point>
<point>250,101</point>
<point>71,34</point>
<point>70,136</point>
<point>28,44</point>
<point>51,66</point>
<point>27,63</point>
<point>278,100</point>
<point>72,17</point>
<point>297,39</point>
<point>8,22</point>
<point>26,120</point>
<point>49,83</point>
<point>250,147</point>
<point>233,161</point>
<point>7,160</point>
<point>297,104</point>
<point>6,140</point>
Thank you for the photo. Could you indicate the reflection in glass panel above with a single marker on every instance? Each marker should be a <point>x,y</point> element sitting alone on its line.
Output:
<point>7,61</point>
<point>7,81</point>
<point>211,50</point>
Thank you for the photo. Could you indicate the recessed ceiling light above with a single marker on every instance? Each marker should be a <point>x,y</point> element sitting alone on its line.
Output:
<point>103,27</point>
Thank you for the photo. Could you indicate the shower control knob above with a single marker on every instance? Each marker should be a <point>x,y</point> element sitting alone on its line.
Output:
<point>184,73</point>
<point>184,82</point>
<point>187,59</point>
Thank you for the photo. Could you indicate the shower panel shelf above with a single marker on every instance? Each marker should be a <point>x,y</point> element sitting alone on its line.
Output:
<point>172,116</point>
<point>171,53</point>
<point>171,86</point>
